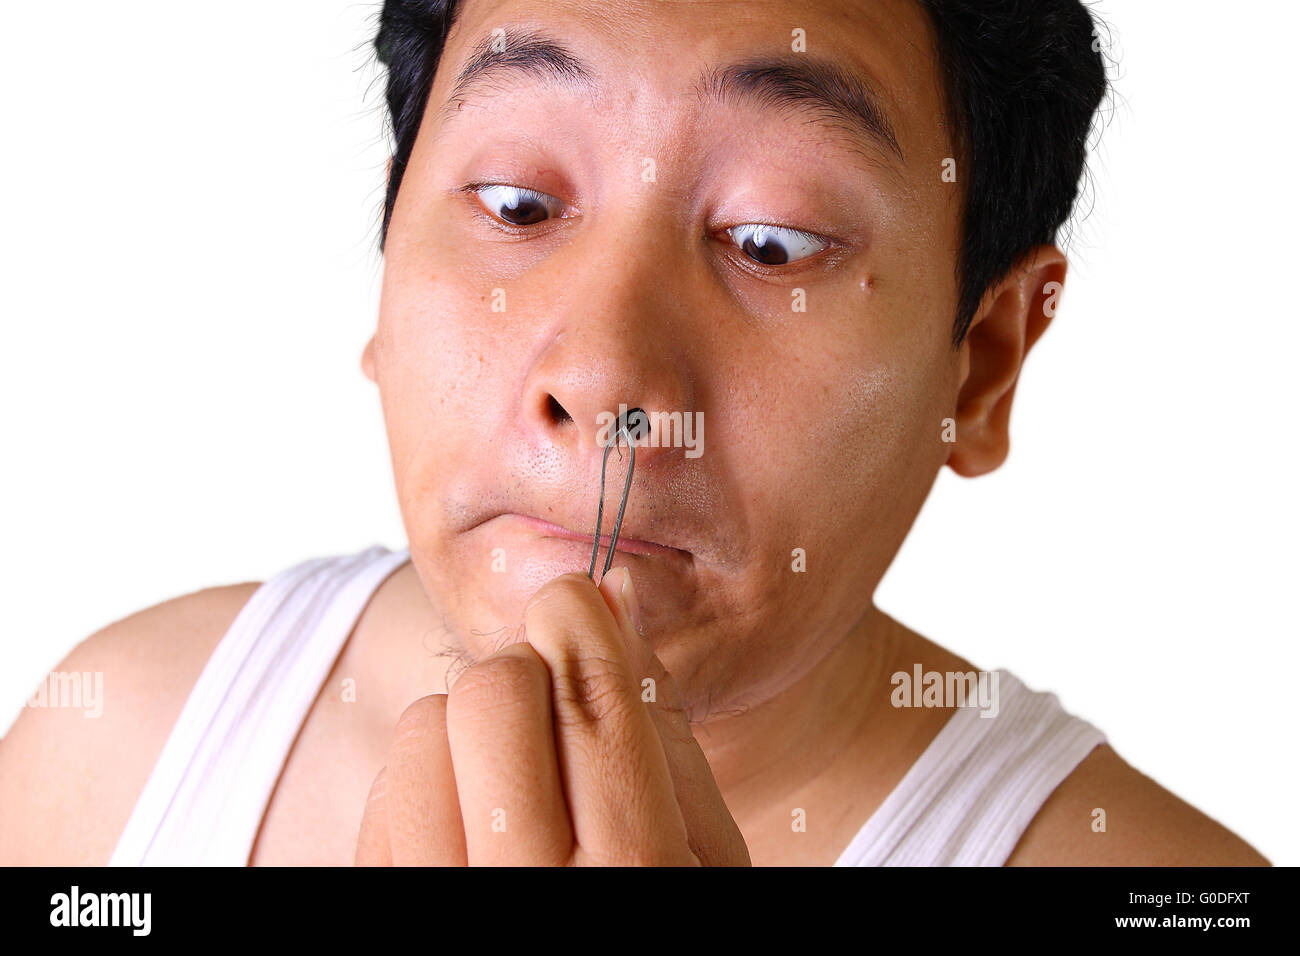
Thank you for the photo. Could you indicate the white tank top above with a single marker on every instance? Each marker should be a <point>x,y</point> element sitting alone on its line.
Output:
<point>965,802</point>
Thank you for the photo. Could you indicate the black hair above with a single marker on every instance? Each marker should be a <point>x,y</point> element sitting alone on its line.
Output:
<point>1023,80</point>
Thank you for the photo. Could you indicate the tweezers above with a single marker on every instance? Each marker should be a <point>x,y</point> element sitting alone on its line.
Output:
<point>630,425</point>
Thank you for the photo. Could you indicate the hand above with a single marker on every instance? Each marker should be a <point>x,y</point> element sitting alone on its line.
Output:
<point>546,753</point>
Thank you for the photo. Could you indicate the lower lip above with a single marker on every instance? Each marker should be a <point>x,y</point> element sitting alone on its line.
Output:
<point>625,545</point>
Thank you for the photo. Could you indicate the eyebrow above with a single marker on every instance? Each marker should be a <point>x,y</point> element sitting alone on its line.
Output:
<point>800,82</point>
<point>521,52</point>
<point>828,93</point>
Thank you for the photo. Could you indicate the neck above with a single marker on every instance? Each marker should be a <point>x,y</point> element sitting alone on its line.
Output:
<point>776,748</point>
<point>802,772</point>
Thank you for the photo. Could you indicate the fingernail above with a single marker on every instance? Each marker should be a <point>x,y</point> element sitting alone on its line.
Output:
<point>630,602</point>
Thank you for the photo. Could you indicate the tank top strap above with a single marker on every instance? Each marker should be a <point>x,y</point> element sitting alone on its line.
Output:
<point>205,798</point>
<point>978,785</point>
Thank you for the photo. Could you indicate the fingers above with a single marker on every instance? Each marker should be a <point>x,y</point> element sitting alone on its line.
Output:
<point>572,747</point>
<point>372,842</point>
<point>503,748</point>
<point>419,790</point>
<point>714,837</point>
<point>615,775</point>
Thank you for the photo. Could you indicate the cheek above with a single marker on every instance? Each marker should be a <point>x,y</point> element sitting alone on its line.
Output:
<point>439,374</point>
<point>881,459</point>
<point>836,444</point>
<point>445,336</point>
<point>848,456</point>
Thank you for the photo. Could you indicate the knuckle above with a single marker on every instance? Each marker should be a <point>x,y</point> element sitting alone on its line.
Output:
<point>563,599</point>
<point>592,689</point>
<point>422,716</point>
<point>421,720</point>
<point>499,681</point>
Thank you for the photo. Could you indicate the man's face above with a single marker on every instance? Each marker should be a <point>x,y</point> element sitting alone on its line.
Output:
<point>816,352</point>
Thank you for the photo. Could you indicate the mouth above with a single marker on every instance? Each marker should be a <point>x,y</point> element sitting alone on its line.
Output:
<point>626,544</point>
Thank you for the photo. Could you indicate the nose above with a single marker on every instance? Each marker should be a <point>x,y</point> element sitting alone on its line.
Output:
<point>617,341</point>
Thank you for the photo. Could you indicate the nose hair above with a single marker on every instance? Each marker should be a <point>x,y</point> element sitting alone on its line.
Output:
<point>630,426</point>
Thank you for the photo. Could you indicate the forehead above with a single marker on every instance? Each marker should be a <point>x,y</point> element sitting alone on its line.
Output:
<point>647,53</point>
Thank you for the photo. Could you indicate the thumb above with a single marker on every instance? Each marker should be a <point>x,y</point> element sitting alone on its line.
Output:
<point>714,837</point>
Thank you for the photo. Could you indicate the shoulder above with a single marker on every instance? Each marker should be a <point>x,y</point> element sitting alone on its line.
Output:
<point>70,776</point>
<point>1145,824</point>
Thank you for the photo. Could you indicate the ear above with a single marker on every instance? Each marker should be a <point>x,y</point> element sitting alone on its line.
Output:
<point>368,360</point>
<point>1012,316</point>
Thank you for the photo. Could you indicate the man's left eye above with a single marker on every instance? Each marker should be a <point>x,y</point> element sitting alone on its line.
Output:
<point>775,245</point>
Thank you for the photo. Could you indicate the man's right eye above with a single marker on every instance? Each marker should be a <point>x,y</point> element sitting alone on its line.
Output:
<point>516,206</point>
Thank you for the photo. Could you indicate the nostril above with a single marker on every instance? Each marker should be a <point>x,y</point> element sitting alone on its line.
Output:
<point>556,411</point>
<point>638,424</point>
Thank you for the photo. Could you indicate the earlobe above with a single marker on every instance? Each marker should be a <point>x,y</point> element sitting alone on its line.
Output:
<point>1014,314</point>
<point>368,360</point>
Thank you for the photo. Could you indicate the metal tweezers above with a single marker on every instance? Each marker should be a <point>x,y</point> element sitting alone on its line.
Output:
<point>630,425</point>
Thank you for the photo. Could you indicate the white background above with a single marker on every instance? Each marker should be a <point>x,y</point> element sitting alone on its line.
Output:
<point>190,200</point>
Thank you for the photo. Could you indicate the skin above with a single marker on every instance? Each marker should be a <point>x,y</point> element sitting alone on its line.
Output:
<point>824,432</point>
<point>857,387</point>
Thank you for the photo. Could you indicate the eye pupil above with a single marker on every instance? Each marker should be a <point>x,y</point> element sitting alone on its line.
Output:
<point>768,253</point>
<point>524,211</point>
